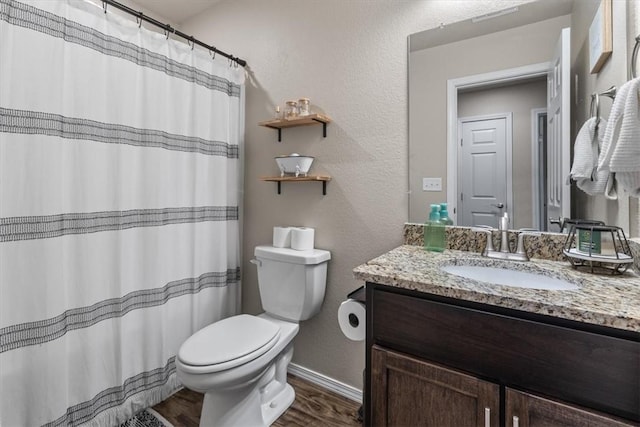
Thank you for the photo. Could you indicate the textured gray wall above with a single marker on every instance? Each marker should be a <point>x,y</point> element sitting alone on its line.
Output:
<point>350,58</point>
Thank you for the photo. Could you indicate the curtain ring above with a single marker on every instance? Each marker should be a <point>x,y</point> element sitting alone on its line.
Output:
<point>193,42</point>
<point>213,53</point>
<point>139,19</point>
<point>104,6</point>
<point>167,30</point>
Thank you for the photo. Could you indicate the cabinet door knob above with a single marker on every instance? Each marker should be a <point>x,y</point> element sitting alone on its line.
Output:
<point>487,417</point>
<point>516,421</point>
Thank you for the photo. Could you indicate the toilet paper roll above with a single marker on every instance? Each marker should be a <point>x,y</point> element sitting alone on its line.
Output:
<point>351,318</point>
<point>302,238</point>
<point>282,237</point>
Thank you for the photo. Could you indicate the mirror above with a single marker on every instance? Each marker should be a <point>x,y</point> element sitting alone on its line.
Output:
<point>516,38</point>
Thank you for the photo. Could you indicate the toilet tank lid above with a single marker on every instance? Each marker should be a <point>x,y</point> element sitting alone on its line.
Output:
<point>309,257</point>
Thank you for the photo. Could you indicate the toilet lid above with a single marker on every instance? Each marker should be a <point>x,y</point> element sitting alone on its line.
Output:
<point>239,338</point>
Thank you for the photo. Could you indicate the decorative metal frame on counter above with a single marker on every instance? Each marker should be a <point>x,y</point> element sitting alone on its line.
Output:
<point>598,263</point>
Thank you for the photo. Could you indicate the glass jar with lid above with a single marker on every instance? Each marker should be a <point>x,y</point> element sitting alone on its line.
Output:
<point>291,110</point>
<point>303,107</point>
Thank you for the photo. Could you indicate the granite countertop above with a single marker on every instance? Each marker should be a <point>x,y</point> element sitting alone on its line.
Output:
<point>606,300</point>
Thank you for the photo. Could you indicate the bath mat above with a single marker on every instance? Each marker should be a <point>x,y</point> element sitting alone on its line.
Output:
<point>147,418</point>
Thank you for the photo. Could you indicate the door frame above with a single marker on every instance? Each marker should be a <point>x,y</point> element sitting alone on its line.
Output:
<point>508,129</point>
<point>474,81</point>
<point>536,188</point>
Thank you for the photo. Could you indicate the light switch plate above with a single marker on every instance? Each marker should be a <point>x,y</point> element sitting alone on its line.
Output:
<point>431,184</point>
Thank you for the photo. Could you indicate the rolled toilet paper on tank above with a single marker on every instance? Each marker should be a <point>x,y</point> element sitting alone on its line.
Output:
<point>302,238</point>
<point>351,318</point>
<point>281,237</point>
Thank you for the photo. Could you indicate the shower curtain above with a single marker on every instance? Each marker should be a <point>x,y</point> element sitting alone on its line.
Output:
<point>119,209</point>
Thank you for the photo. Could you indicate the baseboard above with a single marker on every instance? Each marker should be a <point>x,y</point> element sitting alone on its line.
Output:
<point>342,389</point>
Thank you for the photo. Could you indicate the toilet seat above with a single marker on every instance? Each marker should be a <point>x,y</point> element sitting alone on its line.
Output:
<point>228,343</point>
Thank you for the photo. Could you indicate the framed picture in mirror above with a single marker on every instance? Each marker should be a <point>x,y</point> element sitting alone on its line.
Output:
<point>600,39</point>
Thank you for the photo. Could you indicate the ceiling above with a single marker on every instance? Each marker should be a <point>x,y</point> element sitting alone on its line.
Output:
<point>175,11</point>
<point>526,13</point>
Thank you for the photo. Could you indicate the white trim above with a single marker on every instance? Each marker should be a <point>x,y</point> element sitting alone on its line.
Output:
<point>565,70</point>
<point>467,82</point>
<point>508,117</point>
<point>535,166</point>
<point>323,381</point>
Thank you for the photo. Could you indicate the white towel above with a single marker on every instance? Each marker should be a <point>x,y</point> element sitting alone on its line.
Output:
<point>585,158</point>
<point>621,143</point>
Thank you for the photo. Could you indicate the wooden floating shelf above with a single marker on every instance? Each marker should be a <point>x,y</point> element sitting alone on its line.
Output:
<point>309,120</point>
<point>317,178</point>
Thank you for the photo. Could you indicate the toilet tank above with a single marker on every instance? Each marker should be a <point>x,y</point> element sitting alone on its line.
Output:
<point>291,282</point>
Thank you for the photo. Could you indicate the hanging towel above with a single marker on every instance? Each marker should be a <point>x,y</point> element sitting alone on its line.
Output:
<point>585,158</point>
<point>620,153</point>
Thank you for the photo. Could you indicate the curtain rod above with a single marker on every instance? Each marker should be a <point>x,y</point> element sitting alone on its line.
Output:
<point>169,29</point>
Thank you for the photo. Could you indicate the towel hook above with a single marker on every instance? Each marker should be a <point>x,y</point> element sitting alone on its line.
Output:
<point>595,112</point>
<point>611,92</point>
<point>595,102</point>
<point>594,108</point>
<point>634,59</point>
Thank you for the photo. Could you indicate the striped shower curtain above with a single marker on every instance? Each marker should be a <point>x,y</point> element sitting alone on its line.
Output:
<point>120,178</point>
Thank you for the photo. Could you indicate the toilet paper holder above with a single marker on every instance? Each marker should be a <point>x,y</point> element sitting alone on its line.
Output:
<point>359,295</point>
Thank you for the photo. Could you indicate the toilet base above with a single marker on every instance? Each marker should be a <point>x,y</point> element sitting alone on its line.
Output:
<point>248,412</point>
<point>278,405</point>
<point>254,404</point>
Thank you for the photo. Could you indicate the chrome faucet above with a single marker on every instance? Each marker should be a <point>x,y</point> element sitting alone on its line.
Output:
<point>503,226</point>
<point>505,252</point>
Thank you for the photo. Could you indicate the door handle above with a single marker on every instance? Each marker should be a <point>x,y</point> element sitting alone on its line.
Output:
<point>516,421</point>
<point>487,417</point>
<point>498,205</point>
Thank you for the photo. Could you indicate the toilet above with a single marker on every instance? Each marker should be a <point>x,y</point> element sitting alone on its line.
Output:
<point>240,363</point>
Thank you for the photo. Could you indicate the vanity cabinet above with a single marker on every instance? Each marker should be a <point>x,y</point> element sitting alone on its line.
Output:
<point>413,392</point>
<point>404,386</point>
<point>527,410</point>
<point>438,361</point>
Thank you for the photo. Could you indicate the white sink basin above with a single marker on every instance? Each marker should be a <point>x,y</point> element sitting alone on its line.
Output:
<point>506,277</point>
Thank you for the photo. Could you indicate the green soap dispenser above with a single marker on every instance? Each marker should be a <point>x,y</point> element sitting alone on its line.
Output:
<point>434,237</point>
<point>444,215</point>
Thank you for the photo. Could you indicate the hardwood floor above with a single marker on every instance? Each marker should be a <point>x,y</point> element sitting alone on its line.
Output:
<point>314,406</point>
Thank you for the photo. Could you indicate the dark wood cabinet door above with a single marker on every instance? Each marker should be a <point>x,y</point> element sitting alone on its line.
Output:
<point>526,410</point>
<point>411,392</point>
